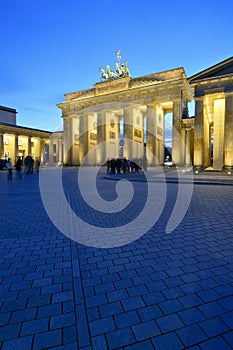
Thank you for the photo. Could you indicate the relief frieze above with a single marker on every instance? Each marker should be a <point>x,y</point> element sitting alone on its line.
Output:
<point>110,86</point>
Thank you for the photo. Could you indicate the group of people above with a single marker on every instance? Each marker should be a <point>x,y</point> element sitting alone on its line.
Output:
<point>124,165</point>
<point>28,163</point>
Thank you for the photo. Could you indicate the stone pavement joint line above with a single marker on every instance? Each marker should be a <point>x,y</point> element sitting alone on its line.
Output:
<point>162,291</point>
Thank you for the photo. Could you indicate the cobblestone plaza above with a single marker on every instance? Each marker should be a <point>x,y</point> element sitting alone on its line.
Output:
<point>161,291</point>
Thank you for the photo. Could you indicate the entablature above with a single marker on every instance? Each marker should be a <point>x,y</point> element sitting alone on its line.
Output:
<point>212,86</point>
<point>143,95</point>
<point>21,131</point>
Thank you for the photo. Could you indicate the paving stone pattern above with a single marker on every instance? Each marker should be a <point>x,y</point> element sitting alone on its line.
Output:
<point>163,291</point>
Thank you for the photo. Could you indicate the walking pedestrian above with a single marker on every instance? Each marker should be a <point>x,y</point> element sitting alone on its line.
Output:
<point>9,169</point>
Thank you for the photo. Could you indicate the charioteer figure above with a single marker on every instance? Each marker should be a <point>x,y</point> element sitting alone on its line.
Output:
<point>121,69</point>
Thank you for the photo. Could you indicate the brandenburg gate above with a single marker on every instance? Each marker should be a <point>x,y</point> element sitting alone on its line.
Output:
<point>127,116</point>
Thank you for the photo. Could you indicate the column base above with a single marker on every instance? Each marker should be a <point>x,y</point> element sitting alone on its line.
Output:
<point>198,167</point>
<point>227,167</point>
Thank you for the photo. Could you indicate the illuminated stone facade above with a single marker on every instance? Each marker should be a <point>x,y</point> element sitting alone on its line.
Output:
<point>213,130</point>
<point>126,112</point>
<point>18,141</point>
<point>127,117</point>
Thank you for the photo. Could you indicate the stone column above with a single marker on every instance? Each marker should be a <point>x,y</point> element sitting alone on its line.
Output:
<point>162,142</point>
<point>67,142</point>
<point>198,134</point>
<point>228,145</point>
<point>51,156</point>
<point>37,149</point>
<point>182,146</point>
<point>128,132</point>
<point>188,148</point>
<point>101,138</point>
<point>71,142</point>
<point>42,150</point>
<point>219,121</point>
<point>16,149</point>
<point>84,134</point>
<point>1,147</point>
<point>152,151</point>
<point>176,132</point>
<point>206,140</point>
<point>60,160</point>
<point>74,147</point>
<point>29,148</point>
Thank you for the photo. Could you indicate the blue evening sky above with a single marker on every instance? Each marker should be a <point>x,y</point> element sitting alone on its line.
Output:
<point>53,47</point>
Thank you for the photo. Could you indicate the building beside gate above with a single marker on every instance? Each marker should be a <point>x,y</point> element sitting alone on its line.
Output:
<point>19,141</point>
<point>213,127</point>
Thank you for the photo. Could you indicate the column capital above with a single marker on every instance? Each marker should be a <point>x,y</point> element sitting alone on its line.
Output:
<point>199,98</point>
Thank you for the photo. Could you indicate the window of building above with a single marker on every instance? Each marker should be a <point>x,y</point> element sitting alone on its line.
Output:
<point>6,141</point>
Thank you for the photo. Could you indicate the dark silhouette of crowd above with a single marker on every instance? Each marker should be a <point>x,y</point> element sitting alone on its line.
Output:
<point>124,165</point>
<point>28,163</point>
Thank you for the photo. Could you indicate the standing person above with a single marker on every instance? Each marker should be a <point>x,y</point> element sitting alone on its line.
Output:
<point>29,161</point>
<point>32,164</point>
<point>18,168</point>
<point>26,162</point>
<point>9,169</point>
<point>108,166</point>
